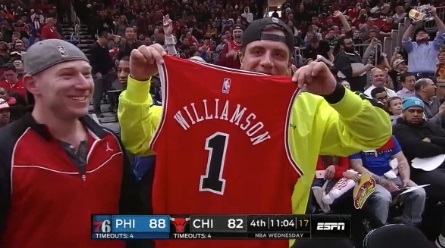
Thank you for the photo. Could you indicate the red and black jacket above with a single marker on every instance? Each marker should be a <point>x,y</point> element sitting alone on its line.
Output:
<point>45,202</point>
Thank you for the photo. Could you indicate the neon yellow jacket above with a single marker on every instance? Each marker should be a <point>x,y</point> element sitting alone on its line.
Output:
<point>317,128</point>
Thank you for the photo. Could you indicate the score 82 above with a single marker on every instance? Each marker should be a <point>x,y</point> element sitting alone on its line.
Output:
<point>157,223</point>
<point>235,223</point>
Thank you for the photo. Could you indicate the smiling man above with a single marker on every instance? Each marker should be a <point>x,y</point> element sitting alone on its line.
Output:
<point>58,166</point>
<point>327,119</point>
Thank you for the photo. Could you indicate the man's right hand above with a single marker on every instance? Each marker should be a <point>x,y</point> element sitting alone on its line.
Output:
<point>143,61</point>
<point>441,110</point>
<point>374,42</point>
<point>231,53</point>
<point>390,186</point>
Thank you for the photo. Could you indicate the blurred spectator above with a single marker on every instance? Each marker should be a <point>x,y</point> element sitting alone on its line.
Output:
<point>420,139</point>
<point>377,163</point>
<point>246,14</point>
<point>395,108</point>
<point>103,22</point>
<point>121,26</point>
<point>379,78</point>
<point>399,15</point>
<point>318,47</point>
<point>123,71</point>
<point>380,94</point>
<point>440,72</point>
<point>102,67</point>
<point>16,103</point>
<point>4,113</point>
<point>333,169</point>
<point>349,63</point>
<point>422,53</point>
<point>432,108</point>
<point>374,56</point>
<point>229,54</point>
<point>311,33</point>
<point>11,82</point>
<point>398,68</point>
<point>49,31</point>
<point>357,37</point>
<point>407,81</point>
<point>38,19</point>
<point>129,44</point>
<point>19,68</point>
<point>4,52</point>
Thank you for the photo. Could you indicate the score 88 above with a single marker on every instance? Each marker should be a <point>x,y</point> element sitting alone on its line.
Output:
<point>157,223</point>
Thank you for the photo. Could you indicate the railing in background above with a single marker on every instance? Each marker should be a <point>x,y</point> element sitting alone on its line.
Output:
<point>298,57</point>
<point>73,18</point>
<point>299,60</point>
<point>76,24</point>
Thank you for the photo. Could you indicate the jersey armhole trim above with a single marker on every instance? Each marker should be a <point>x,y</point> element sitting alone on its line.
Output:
<point>162,69</point>
<point>297,168</point>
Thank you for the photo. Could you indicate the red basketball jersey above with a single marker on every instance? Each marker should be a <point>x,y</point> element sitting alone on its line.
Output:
<point>221,147</point>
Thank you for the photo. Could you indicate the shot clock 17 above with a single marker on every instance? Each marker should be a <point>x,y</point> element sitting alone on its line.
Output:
<point>220,226</point>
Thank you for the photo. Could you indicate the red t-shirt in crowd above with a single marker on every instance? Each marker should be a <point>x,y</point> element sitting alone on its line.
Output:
<point>18,88</point>
<point>48,32</point>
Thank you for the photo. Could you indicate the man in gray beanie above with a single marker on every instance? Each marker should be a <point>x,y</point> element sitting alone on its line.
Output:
<point>58,166</point>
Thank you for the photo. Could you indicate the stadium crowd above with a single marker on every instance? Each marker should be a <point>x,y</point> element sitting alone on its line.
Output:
<point>408,84</point>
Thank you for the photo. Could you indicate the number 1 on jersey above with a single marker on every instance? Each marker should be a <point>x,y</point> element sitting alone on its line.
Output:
<point>212,181</point>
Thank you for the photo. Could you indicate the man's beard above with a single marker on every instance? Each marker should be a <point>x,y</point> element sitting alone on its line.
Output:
<point>349,49</point>
<point>418,124</point>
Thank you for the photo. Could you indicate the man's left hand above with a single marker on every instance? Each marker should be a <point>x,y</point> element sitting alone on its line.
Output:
<point>329,172</point>
<point>316,77</point>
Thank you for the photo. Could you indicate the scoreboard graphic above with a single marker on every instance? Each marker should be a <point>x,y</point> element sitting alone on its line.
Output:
<point>105,227</point>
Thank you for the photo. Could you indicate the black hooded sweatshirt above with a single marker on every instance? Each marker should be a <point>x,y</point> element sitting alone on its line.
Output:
<point>410,139</point>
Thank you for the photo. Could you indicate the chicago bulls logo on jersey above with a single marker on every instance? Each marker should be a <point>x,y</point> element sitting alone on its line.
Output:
<point>226,86</point>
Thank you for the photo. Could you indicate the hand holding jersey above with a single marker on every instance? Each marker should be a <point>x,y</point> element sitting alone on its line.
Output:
<point>143,61</point>
<point>316,78</point>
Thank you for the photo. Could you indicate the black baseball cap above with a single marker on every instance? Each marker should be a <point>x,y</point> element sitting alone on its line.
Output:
<point>237,26</point>
<point>255,29</point>
<point>418,30</point>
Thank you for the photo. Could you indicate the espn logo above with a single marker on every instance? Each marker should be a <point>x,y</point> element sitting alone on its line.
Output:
<point>331,226</point>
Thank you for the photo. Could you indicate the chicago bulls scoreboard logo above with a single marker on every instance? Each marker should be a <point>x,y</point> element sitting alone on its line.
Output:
<point>180,224</point>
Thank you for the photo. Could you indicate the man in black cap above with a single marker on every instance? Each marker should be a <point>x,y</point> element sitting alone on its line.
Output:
<point>334,122</point>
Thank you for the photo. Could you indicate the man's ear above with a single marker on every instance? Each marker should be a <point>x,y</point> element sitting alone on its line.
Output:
<point>241,58</point>
<point>30,84</point>
<point>289,65</point>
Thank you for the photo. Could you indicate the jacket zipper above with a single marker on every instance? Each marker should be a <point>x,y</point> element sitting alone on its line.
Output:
<point>82,173</point>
